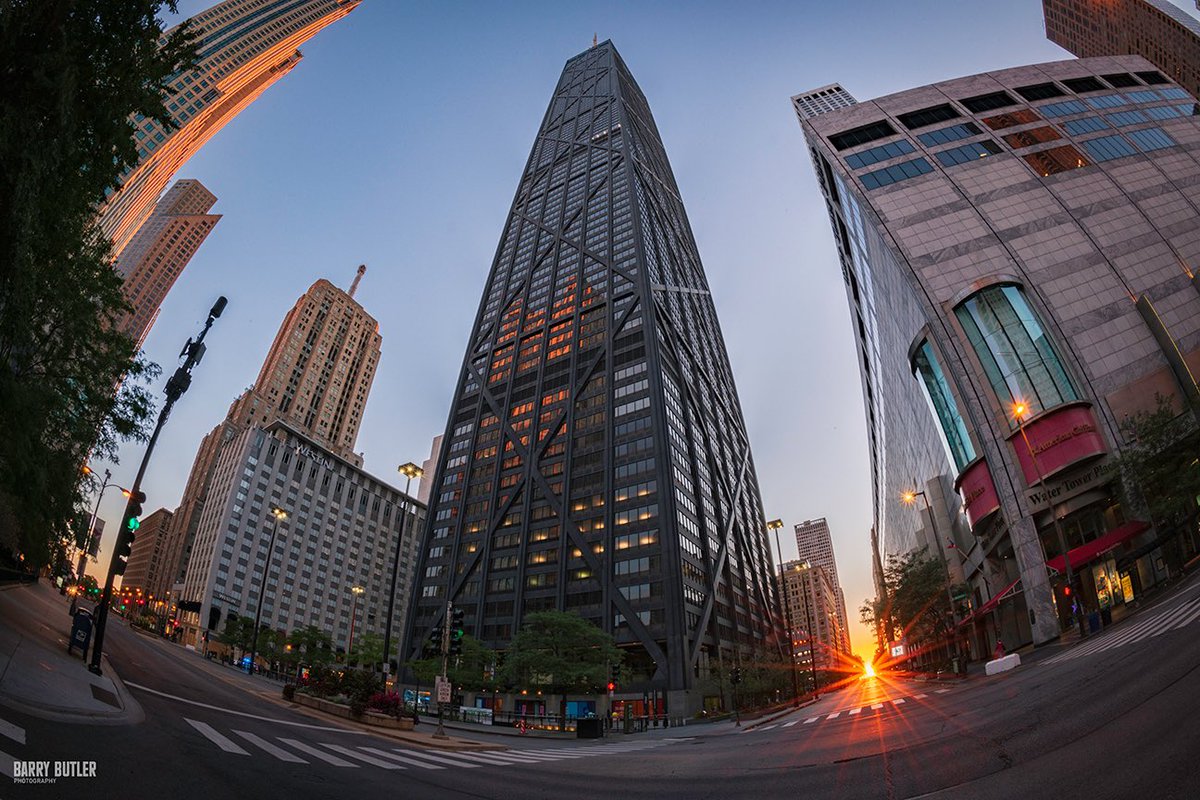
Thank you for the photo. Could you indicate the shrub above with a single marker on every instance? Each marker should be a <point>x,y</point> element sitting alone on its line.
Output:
<point>386,703</point>
<point>360,686</point>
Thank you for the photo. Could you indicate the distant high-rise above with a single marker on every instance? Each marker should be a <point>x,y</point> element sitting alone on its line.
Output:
<point>428,468</point>
<point>814,543</point>
<point>1156,30</point>
<point>595,459</point>
<point>244,46</point>
<point>321,366</point>
<point>814,608</point>
<point>316,378</point>
<point>161,249</point>
<point>147,559</point>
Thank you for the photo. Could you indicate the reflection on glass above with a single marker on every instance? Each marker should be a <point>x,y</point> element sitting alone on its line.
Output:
<point>926,366</point>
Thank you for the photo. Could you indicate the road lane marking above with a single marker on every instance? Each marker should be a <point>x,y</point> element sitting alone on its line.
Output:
<point>412,762</point>
<point>6,764</point>
<point>278,752</point>
<point>767,728</point>
<point>854,711</point>
<point>210,733</point>
<point>877,706</point>
<point>437,759</point>
<point>810,721</point>
<point>493,760</point>
<point>375,762</point>
<point>920,696</point>
<point>898,701</point>
<point>511,754</point>
<point>276,720</point>
<point>790,724</point>
<point>940,691</point>
<point>12,731</point>
<point>834,715</point>
<point>321,754</point>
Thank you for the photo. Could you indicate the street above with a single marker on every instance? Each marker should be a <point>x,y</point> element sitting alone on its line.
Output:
<point>1115,716</point>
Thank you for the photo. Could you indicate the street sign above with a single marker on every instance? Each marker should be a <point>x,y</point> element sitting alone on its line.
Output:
<point>442,689</point>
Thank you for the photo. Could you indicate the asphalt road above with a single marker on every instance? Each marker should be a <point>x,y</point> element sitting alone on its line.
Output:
<point>1115,717</point>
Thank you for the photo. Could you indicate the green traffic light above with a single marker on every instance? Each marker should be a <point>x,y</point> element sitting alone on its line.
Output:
<point>134,524</point>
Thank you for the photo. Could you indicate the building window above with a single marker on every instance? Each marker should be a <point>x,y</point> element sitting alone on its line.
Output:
<point>1031,137</point>
<point>1086,125</point>
<point>1151,139</point>
<point>1014,349</point>
<point>1055,160</point>
<point>1128,117</point>
<point>876,154</point>
<point>947,135</point>
<point>1085,84</point>
<point>988,102</point>
<point>1064,108</point>
<point>896,172</point>
<point>1022,116</point>
<point>927,116</point>
<point>861,135</point>
<point>1106,148</point>
<point>968,152</point>
<point>1107,101</point>
<point>927,368</point>
<point>1120,80</point>
<point>1041,91</point>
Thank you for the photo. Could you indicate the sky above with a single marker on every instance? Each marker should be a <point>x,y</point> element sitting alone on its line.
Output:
<point>399,140</point>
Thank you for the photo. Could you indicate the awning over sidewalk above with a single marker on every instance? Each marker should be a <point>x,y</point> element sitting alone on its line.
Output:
<point>1098,547</point>
<point>990,604</point>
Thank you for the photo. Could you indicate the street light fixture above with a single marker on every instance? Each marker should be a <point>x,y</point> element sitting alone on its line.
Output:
<point>1020,411</point>
<point>357,591</point>
<point>280,515</point>
<point>409,471</point>
<point>786,611</point>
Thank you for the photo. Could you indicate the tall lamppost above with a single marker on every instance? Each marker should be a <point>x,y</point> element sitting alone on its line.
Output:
<point>357,592</point>
<point>812,656</point>
<point>91,531</point>
<point>279,514</point>
<point>409,471</point>
<point>1020,411</point>
<point>909,498</point>
<point>786,611</point>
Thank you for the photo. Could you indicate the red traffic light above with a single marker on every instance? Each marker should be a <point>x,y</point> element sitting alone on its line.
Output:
<point>1066,591</point>
<point>611,686</point>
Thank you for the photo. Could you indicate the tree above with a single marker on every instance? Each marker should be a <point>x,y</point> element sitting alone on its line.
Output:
<point>237,633</point>
<point>915,604</point>
<point>368,649</point>
<point>311,645</point>
<point>1162,463</point>
<point>561,652</point>
<point>74,74</point>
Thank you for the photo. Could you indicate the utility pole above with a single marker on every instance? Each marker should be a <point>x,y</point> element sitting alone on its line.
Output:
<point>440,733</point>
<point>178,383</point>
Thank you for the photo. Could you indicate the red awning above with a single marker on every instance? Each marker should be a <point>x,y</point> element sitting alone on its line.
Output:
<point>990,604</point>
<point>1094,549</point>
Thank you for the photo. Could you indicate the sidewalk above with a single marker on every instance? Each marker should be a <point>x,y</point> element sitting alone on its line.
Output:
<point>38,677</point>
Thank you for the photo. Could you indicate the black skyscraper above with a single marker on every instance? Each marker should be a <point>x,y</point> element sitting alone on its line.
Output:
<point>595,459</point>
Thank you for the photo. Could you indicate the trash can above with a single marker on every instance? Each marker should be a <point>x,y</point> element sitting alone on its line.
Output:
<point>588,728</point>
<point>1094,622</point>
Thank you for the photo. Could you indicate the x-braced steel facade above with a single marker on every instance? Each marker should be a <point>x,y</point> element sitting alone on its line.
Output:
<point>595,459</point>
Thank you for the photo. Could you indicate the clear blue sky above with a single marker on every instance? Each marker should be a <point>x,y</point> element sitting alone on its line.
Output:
<point>399,140</point>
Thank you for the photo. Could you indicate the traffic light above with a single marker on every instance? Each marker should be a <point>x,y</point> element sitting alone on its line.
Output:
<point>125,536</point>
<point>614,676</point>
<point>735,676</point>
<point>456,631</point>
<point>433,645</point>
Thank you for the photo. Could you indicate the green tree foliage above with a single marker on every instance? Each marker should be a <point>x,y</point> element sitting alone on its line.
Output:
<point>74,72</point>
<point>367,650</point>
<point>915,605</point>
<point>561,653</point>
<point>1163,464</point>
<point>237,633</point>
<point>311,645</point>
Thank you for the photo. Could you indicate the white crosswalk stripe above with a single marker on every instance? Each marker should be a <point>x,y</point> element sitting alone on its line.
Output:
<point>437,758</point>
<point>14,732</point>
<point>790,724</point>
<point>328,758</point>
<point>1173,618</point>
<point>6,764</point>
<point>374,762</point>
<point>855,711</point>
<point>896,703</point>
<point>811,720</point>
<point>412,762</point>
<point>220,740</point>
<point>278,752</point>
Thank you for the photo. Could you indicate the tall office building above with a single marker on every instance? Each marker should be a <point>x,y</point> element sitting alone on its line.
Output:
<point>1019,252</point>
<point>342,529</point>
<point>244,46</point>
<point>316,378</point>
<point>595,459</point>
<point>813,610</point>
<point>814,543</point>
<point>147,558</point>
<point>161,249</point>
<point>1159,31</point>
<point>820,101</point>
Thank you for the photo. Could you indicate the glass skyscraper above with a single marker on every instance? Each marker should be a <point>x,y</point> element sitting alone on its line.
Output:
<point>244,46</point>
<point>595,459</point>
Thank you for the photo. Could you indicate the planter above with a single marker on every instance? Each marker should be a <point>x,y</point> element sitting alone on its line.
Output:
<point>373,718</point>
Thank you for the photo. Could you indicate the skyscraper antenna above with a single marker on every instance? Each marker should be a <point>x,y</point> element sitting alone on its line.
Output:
<point>596,37</point>
<point>362,268</point>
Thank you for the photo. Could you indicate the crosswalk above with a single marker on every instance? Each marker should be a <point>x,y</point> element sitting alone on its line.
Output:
<point>1159,622</point>
<point>383,756</point>
<point>14,733</point>
<point>895,704</point>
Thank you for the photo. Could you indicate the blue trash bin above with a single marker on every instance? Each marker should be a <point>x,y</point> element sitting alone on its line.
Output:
<point>1094,622</point>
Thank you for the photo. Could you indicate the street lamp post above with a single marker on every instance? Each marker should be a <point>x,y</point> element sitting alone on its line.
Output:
<point>786,611</point>
<point>409,471</point>
<point>279,514</point>
<point>909,498</point>
<point>812,656</point>
<point>357,592</point>
<point>91,531</point>
<point>1020,411</point>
